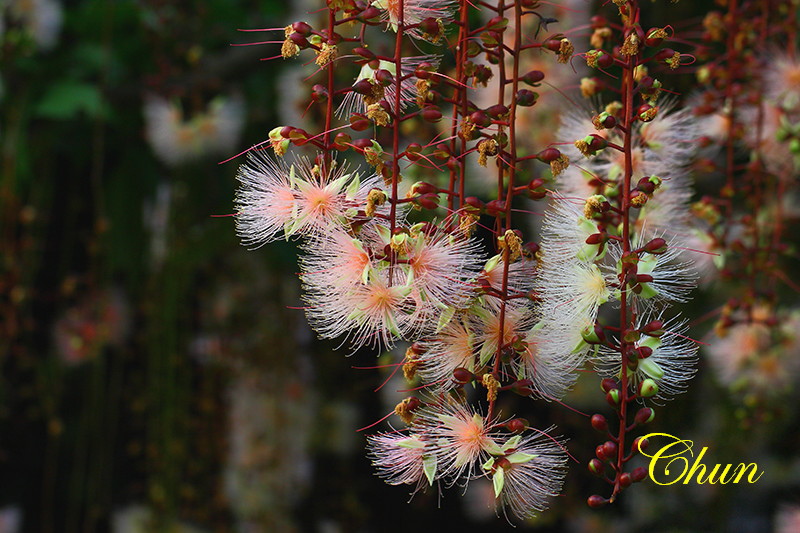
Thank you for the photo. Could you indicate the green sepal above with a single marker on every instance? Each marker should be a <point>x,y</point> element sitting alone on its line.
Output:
<point>429,467</point>
<point>521,457</point>
<point>411,443</point>
<point>493,448</point>
<point>352,188</point>
<point>511,443</point>
<point>498,481</point>
<point>647,291</point>
<point>445,318</point>
<point>651,368</point>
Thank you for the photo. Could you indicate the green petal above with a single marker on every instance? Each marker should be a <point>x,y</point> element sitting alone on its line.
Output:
<point>498,480</point>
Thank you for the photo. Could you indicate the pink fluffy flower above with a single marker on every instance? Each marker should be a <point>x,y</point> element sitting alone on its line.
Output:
<point>530,470</point>
<point>276,200</point>
<point>367,314</point>
<point>452,347</point>
<point>460,436</point>
<point>401,459</point>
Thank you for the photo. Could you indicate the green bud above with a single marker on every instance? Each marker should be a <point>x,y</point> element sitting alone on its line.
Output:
<point>648,388</point>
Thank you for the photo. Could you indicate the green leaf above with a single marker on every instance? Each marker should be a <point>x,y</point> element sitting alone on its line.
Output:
<point>67,99</point>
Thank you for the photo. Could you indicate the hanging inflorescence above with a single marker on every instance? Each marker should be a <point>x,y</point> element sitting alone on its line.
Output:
<point>389,259</point>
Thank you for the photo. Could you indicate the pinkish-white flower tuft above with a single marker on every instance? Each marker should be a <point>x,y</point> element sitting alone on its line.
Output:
<point>277,200</point>
<point>401,459</point>
<point>529,473</point>
<point>462,438</point>
<point>671,364</point>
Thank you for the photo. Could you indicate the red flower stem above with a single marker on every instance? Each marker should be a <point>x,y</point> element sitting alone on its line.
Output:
<point>398,60</point>
<point>626,314</point>
<point>327,149</point>
<point>459,101</point>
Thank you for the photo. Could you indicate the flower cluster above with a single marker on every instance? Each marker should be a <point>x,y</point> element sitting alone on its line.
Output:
<point>519,316</point>
<point>449,442</point>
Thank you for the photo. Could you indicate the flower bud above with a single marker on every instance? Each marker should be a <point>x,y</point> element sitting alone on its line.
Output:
<point>608,384</point>
<point>384,77</point>
<point>497,111</point>
<point>655,36</point>
<point>548,155</point>
<point>644,415</point>
<point>613,398</point>
<point>526,97</point>
<point>610,449</point>
<point>536,190</point>
<point>480,119</point>
<point>302,28</point>
<point>359,122</point>
<point>362,144</point>
<point>365,53</point>
<point>595,501</point>
<point>362,87</point>
<point>462,376</point>
<point>319,93</point>
<point>496,208</point>
<point>597,467</point>
<point>523,387</point>
<point>370,13</point>
<point>656,246</point>
<point>600,452</point>
<point>427,201</point>
<point>431,114</point>
<point>422,187</point>
<point>474,203</point>
<point>299,39</point>
<point>646,186</point>
<point>533,77</point>
<point>639,444</point>
<point>643,352</point>
<point>638,474</point>
<point>625,480</point>
<point>646,112</point>
<point>599,422</point>
<point>654,328</point>
<point>647,388</point>
<point>341,141</point>
<point>517,425</point>
<point>429,26</point>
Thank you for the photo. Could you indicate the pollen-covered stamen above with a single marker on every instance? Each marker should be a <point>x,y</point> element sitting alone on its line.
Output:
<point>326,54</point>
<point>289,48</point>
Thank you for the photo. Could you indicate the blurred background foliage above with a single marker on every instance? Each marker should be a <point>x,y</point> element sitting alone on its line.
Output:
<point>155,376</point>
